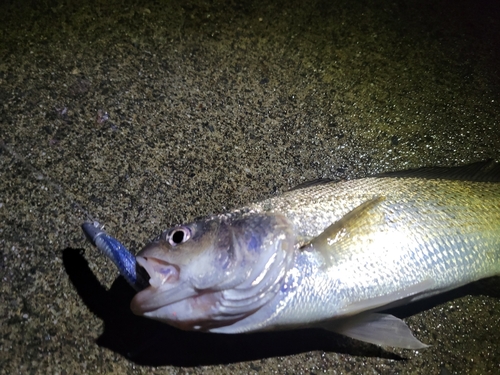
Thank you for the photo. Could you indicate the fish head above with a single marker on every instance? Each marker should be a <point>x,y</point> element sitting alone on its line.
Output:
<point>216,271</point>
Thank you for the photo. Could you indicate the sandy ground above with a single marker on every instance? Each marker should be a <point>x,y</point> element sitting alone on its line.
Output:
<point>145,116</point>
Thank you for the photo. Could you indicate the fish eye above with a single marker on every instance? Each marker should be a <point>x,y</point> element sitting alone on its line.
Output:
<point>179,235</point>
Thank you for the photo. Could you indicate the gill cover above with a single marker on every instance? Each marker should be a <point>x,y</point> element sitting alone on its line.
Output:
<point>214,272</point>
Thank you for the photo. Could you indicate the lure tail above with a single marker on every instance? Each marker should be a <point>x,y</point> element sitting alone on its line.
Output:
<point>123,259</point>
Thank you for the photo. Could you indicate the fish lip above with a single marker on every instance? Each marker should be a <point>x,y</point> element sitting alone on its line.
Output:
<point>165,287</point>
<point>160,271</point>
<point>152,298</point>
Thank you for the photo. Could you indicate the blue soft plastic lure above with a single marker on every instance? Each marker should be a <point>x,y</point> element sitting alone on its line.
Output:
<point>114,250</point>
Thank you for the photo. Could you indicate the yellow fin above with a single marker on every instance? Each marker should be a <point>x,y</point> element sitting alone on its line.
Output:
<point>325,242</point>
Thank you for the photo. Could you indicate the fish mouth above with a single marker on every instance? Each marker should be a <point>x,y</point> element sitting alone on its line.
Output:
<point>159,271</point>
<point>165,286</point>
<point>171,299</point>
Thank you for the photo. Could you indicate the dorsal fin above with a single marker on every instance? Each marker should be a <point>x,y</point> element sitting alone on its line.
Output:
<point>483,171</point>
<point>318,181</point>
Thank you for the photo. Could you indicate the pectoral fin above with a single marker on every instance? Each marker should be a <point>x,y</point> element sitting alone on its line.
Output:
<point>378,329</point>
<point>326,241</point>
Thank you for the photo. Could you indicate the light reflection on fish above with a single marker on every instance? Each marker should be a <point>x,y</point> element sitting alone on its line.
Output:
<point>330,255</point>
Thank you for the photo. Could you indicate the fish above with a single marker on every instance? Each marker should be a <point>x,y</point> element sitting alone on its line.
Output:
<point>326,254</point>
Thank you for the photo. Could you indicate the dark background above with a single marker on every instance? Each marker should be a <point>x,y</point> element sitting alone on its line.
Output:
<point>153,114</point>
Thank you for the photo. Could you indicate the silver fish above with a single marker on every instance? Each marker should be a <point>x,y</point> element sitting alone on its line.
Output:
<point>331,255</point>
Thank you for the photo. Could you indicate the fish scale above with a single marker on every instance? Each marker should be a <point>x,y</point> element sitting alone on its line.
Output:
<point>420,231</point>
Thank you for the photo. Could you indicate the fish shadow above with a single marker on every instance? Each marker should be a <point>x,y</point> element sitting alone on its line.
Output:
<point>147,342</point>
